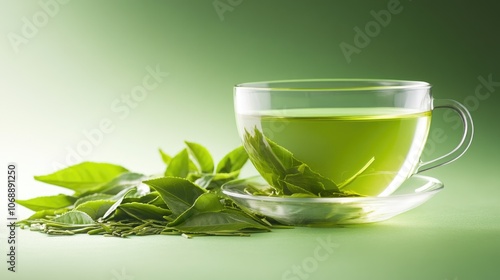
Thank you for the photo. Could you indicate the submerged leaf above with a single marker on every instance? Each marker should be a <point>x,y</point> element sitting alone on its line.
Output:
<point>287,173</point>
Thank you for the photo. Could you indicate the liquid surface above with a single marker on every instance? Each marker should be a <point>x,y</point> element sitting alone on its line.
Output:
<point>337,143</point>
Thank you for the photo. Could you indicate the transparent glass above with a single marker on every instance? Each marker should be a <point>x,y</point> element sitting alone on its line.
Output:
<point>333,211</point>
<point>365,136</point>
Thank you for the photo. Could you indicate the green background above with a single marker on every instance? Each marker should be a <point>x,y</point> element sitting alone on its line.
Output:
<point>64,80</point>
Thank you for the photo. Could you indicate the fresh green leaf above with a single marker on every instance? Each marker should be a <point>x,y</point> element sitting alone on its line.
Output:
<point>179,165</point>
<point>226,220</point>
<point>202,157</point>
<point>92,197</point>
<point>111,201</point>
<point>165,157</point>
<point>84,176</point>
<point>215,181</point>
<point>95,209</point>
<point>48,202</point>
<point>147,198</point>
<point>179,194</point>
<point>118,200</point>
<point>144,212</point>
<point>119,183</point>
<point>74,218</point>
<point>233,161</point>
<point>207,202</point>
<point>43,214</point>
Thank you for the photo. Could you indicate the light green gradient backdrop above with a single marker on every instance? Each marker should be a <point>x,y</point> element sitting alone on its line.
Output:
<point>64,80</point>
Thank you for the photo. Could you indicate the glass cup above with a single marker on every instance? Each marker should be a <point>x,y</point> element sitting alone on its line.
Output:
<point>340,137</point>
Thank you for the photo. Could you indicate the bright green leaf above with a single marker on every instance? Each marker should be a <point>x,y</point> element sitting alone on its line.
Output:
<point>43,214</point>
<point>142,211</point>
<point>83,176</point>
<point>95,209</point>
<point>74,218</point>
<point>207,202</point>
<point>226,220</point>
<point>202,157</point>
<point>118,200</point>
<point>120,183</point>
<point>165,157</point>
<point>48,202</point>
<point>179,165</point>
<point>179,194</point>
<point>233,161</point>
<point>92,197</point>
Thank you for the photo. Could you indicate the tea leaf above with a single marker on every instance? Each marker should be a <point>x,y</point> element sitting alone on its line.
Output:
<point>144,212</point>
<point>120,183</point>
<point>179,194</point>
<point>84,176</point>
<point>95,209</point>
<point>48,202</point>
<point>118,200</point>
<point>226,220</point>
<point>201,156</point>
<point>112,201</point>
<point>74,218</point>
<point>92,197</point>
<point>45,213</point>
<point>147,198</point>
<point>293,189</point>
<point>215,181</point>
<point>350,179</point>
<point>179,165</point>
<point>165,157</point>
<point>288,174</point>
<point>233,161</point>
<point>207,202</point>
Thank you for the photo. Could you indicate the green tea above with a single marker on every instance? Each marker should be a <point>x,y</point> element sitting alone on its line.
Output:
<point>369,150</point>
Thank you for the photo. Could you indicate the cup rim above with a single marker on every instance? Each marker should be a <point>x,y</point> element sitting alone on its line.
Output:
<point>365,85</point>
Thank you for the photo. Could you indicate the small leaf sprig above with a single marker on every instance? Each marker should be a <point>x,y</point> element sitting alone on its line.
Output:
<point>110,200</point>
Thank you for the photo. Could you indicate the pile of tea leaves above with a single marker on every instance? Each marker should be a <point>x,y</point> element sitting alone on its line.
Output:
<point>110,200</point>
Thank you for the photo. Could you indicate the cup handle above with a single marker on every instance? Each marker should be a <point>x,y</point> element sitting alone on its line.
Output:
<point>468,132</point>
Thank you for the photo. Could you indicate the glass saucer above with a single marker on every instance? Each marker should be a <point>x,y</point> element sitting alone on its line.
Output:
<point>333,211</point>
